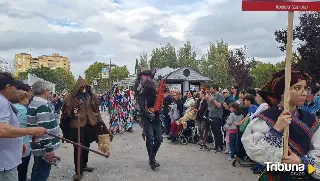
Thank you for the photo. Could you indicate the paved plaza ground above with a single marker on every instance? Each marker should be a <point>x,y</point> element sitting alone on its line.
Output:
<point>129,162</point>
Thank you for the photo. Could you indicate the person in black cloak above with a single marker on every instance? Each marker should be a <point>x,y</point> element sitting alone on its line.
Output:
<point>145,91</point>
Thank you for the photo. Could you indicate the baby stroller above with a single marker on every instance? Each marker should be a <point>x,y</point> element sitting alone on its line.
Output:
<point>187,135</point>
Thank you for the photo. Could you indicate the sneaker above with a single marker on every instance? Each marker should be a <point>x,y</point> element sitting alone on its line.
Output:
<point>234,161</point>
<point>88,168</point>
<point>201,148</point>
<point>154,164</point>
<point>219,150</point>
<point>75,177</point>
<point>258,171</point>
<point>206,148</point>
<point>213,149</point>
<point>227,152</point>
<point>229,158</point>
<point>247,159</point>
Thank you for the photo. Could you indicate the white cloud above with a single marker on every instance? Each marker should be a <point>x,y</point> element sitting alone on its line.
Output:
<point>122,29</point>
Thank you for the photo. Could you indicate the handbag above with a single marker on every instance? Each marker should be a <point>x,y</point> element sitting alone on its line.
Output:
<point>104,137</point>
<point>104,144</point>
<point>51,159</point>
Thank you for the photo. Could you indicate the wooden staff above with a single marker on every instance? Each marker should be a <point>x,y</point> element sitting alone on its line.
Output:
<point>79,145</point>
<point>288,79</point>
<point>76,144</point>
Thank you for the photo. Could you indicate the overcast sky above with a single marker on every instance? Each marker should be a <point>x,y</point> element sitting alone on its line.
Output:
<point>88,31</point>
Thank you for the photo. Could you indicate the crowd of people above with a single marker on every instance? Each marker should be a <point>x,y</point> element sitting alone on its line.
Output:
<point>248,125</point>
<point>31,124</point>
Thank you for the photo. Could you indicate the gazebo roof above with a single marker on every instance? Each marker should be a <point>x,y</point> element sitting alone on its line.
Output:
<point>178,74</point>
<point>163,72</point>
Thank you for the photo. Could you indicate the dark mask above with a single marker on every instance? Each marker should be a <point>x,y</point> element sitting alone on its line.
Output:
<point>147,84</point>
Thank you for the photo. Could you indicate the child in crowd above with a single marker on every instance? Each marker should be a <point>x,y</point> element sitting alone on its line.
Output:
<point>226,106</point>
<point>234,118</point>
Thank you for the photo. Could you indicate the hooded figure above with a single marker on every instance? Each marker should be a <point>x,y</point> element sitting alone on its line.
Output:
<point>145,90</point>
<point>82,99</point>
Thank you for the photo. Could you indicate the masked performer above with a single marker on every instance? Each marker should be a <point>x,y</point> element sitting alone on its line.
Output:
<point>263,137</point>
<point>145,90</point>
<point>91,124</point>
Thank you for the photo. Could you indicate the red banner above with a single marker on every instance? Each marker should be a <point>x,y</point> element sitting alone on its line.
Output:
<point>280,5</point>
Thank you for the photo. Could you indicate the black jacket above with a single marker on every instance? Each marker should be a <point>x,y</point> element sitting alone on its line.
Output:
<point>202,109</point>
<point>144,104</point>
<point>179,103</point>
<point>166,102</point>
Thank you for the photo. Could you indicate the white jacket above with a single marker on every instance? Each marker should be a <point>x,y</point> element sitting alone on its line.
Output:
<point>189,102</point>
<point>174,113</point>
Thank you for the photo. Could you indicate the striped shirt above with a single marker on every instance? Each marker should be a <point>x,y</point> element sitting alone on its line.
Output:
<point>41,114</point>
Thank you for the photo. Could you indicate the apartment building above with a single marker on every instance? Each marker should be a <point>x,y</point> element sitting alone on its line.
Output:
<point>24,61</point>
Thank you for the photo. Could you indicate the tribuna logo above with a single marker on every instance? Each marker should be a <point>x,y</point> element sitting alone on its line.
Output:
<point>281,167</point>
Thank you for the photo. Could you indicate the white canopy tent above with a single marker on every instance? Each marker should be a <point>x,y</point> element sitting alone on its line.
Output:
<point>32,79</point>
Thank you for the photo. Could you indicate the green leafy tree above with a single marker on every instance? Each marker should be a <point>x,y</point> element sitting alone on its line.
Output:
<point>45,73</point>
<point>187,56</point>
<point>263,72</point>
<point>63,80</point>
<point>22,75</point>
<point>94,73</point>
<point>307,34</point>
<point>239,66</point>
<point>143,64</point>
<point>119,73</point>
<point>165,56</point>
<point>215,63</point>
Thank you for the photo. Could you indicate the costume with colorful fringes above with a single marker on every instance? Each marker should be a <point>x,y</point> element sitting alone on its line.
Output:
<point>122,112</point>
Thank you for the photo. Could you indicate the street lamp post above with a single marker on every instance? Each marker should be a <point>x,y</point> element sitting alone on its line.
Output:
<point>110,83</point>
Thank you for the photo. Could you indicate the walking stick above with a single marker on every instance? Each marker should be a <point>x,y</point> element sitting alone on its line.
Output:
<point>79,149</point>
<point>79,145</point>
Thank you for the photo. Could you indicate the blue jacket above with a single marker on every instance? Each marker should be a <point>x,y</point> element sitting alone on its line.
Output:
<point>313,107</point>
<point>22,118</point>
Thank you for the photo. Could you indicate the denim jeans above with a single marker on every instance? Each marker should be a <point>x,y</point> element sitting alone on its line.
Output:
<point>102,108</point>
<point>167,123</point>
<point>223,122</point>
<point>9,175</point>
<point>233,144</point>
<point>203,131</point>
<point>40,170</point>
<point>153,131</point>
